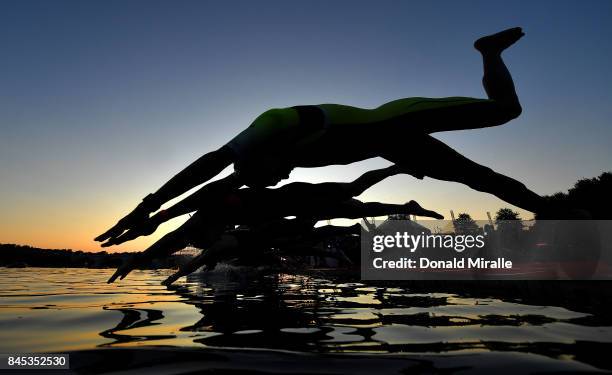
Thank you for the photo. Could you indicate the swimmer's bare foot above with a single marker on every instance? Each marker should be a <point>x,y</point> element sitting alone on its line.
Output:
<point>412,170</point>
<point>498,42</point>
<point>417,210</point>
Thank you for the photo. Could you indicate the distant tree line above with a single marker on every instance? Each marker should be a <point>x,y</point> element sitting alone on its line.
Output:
<point>590,194</point>
<point>12,255</point>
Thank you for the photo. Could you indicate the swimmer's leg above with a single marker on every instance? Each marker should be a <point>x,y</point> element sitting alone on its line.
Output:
<point>497,80</point>
<point>336,192</point>
<point>369,179</point>
<point>409,115</point>
<point>444,163</point>
<point>355,209</point>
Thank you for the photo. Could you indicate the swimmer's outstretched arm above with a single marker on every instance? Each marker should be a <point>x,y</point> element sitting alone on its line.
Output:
<point>200,171</point>
<point>168,244</point>
<point>190,204</point>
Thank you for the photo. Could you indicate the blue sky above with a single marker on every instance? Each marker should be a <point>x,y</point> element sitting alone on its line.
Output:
<point>102,102</point>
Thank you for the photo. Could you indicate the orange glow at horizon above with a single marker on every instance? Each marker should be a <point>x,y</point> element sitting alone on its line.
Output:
<point>74,227</point>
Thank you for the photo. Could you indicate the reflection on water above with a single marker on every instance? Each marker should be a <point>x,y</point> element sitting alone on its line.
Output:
<point>68,309</point>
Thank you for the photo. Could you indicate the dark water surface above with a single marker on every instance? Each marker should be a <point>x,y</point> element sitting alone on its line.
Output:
<point>59,310</point>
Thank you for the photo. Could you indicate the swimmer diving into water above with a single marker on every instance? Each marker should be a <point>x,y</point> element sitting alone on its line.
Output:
<point>218,207</point>
<point>288,237</point>
<point>325,134</point>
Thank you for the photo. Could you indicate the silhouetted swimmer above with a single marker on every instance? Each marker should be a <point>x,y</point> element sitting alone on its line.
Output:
<point>319,135</point>
<point>196,231</point>
<point>252,241</point>
<point>218,208</point>
<point>226,203</point>
<point>231,243</point>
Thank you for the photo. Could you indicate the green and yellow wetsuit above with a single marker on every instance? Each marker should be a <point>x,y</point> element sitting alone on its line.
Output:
<point>280,128</point>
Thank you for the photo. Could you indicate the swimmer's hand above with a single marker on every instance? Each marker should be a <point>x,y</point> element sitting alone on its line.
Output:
<point>137,216</point>
<point>127,267</point>
<point>144,228</point>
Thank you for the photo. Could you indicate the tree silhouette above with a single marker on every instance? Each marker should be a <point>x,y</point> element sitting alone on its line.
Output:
<point>506,214</point>
<point>509,227</point>
<point>590,194</point>
<point>464,224</point>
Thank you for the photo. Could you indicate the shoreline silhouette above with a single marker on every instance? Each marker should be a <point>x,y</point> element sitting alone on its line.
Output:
<point>20,256</point>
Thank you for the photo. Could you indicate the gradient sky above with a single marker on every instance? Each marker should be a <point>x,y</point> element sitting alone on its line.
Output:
<point>102,102</point>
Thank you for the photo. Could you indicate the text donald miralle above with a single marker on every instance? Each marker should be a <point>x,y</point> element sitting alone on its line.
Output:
<point>412,243</point>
